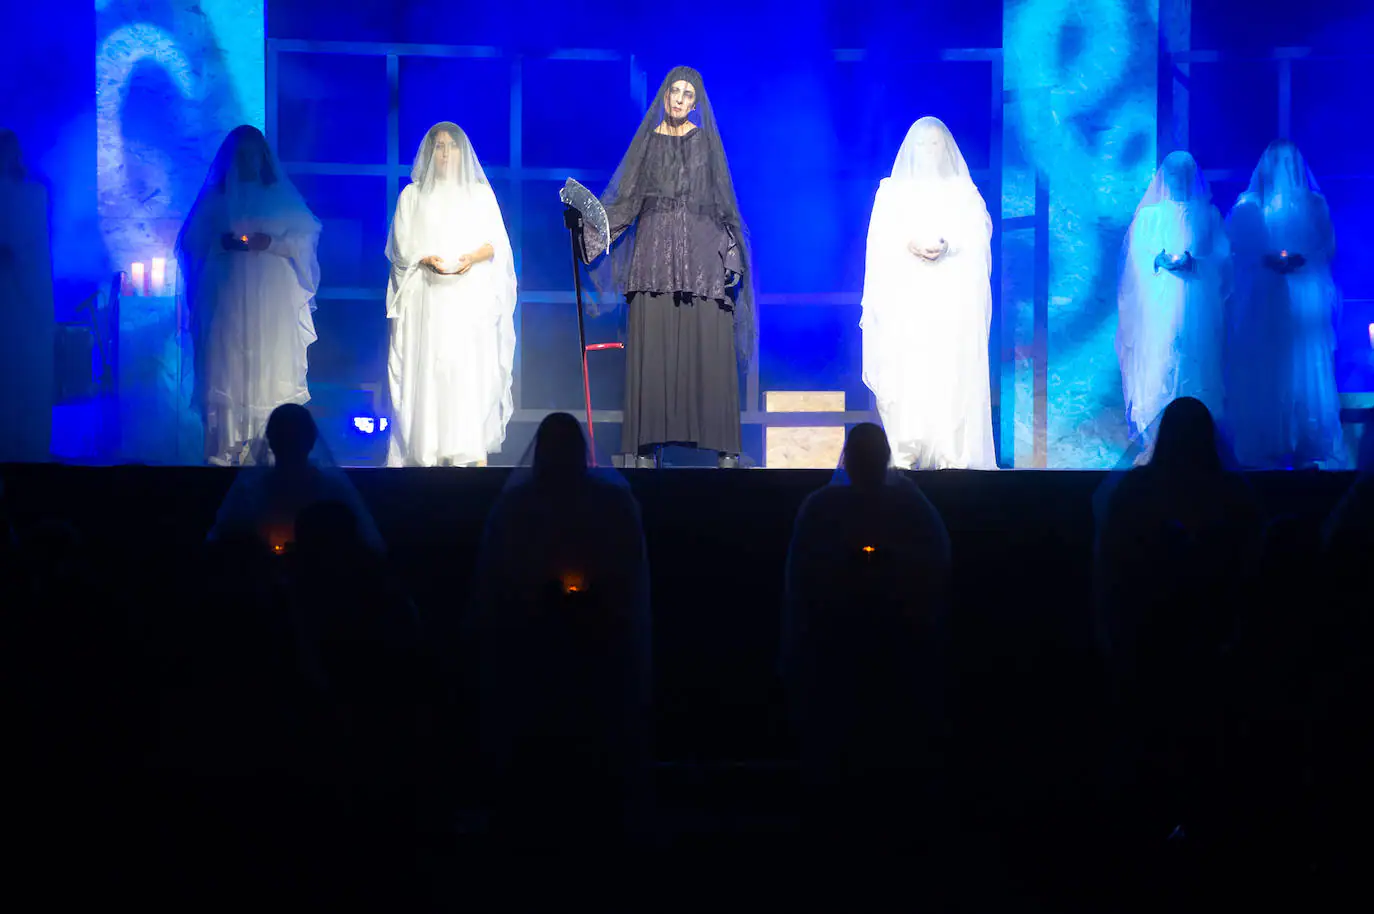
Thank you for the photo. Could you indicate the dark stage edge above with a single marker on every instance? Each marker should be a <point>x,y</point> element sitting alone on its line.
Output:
<point>717,543</point>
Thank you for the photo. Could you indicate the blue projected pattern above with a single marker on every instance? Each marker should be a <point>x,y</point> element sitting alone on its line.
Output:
<point>172,78</point>
<point>1082,75</point>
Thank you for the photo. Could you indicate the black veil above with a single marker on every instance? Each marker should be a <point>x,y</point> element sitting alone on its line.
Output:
<point>631,185</point>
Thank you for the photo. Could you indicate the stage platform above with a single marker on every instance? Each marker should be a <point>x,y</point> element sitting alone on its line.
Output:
<point>717,544</point>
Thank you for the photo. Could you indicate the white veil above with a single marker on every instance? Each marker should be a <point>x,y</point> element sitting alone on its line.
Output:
<point>1176,213</point>
<point>930,164</point>
<point>265,499</point>
<point>448,210</point>
<point>246,192</point>
<point>925,324</point>
<point>1281,169</point>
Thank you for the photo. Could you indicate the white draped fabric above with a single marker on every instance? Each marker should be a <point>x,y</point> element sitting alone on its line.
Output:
<point>1171,324</point>
<point>26,314</point>
<point>926,322</point>
<point>250,311</point>
<point>1286,408</point>
<point>452,350</point>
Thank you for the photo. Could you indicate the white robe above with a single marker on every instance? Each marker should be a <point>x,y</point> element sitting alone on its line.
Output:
<point>1171,327</point>
<point>925,324</point>
<point>250,313</point>
<point>452,349</point>
<point>26,311</point>
<point>1286,408</point>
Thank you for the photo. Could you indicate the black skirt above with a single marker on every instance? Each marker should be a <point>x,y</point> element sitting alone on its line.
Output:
<point>681,374</point>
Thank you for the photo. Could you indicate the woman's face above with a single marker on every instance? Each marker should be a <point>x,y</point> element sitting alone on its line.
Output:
<point>445,154</point>
<point>930,152</point>
<point>249,159</point>
<point>679,100</point>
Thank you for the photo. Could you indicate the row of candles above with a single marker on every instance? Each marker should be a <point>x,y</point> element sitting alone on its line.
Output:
<point>151,279</point>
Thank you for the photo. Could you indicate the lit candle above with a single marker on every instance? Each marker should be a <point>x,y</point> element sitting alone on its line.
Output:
<point>1283,254</point>
<point>573,582</point>
<point>137,278</point>
<point>1371,336</point>
<point>158,275</point>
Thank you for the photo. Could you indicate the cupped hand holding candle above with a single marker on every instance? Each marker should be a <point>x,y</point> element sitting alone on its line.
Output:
<point>254,242</point>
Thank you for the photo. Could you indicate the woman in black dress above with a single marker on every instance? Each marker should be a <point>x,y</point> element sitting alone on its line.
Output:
<point>680,257</point>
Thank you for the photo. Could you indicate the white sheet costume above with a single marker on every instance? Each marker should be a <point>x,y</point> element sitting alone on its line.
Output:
<point>1171,299</point>
<point>926,321</point>
<point>26,309</point>
<point>250,310</point>
<point>1286,411</point>
<point>452,350</point>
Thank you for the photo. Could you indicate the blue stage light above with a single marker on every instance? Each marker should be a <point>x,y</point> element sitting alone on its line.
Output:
<point>369,425</point>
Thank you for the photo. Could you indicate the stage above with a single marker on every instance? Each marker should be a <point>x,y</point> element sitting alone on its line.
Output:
<point>717,545</point>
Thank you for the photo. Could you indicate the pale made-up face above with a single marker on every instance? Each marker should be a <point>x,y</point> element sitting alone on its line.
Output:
<point>930,152</point>
<point>679,100</point>
<point>445,155</point>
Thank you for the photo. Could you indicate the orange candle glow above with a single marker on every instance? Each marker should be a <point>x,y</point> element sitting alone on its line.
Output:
<point>573,582</point>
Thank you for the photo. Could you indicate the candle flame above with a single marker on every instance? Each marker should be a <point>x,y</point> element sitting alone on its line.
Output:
<point>243,238</point>
<point>573,582</point>
<point>869,549</point>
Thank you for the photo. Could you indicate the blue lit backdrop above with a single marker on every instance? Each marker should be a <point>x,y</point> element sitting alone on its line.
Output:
<point>1056,103</point>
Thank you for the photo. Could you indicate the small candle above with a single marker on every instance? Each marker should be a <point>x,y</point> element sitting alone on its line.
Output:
<point>243,238</point>
<point>158,275</point>
<point>572,582</point>
<point>137,278</point>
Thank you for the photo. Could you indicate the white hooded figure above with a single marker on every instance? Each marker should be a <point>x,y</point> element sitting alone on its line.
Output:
<point>26,309</point>
<point>1175,280</point>
<point>927,306</point>
<point>249,272</point>
<point>1285,409</point>
<point>451,306</point>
